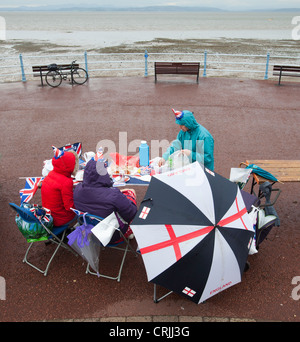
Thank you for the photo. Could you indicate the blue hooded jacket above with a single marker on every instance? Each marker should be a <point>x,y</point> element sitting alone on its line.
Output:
<point>197,139</point>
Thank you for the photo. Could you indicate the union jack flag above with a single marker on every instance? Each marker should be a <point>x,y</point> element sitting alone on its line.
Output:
<point>57,152</point>
<point>75,147</point>
<point>99,154</point>
<point>77,212</point>
<point>31,186</point>
<point>41,213</point>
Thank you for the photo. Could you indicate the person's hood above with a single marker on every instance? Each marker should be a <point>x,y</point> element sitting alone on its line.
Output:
<point>187,119</point>
<point>95,174</point>
<point>67,164</point>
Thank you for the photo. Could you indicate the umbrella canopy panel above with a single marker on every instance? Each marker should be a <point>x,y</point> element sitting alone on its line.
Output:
<point>193,232</point>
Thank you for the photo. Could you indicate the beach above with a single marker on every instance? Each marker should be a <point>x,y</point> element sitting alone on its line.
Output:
<point>38,37</point>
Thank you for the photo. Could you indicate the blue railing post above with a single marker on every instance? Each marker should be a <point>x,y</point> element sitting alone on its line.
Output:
<point>204,67</point>
<point>267,66</point>
<point>86,62</point>
<point>22,68</point>
<point>146,63</point>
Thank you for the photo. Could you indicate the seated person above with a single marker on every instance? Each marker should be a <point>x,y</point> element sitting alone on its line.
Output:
<point>193,140</point>
<point>57,188</point>
<point>96,196</point>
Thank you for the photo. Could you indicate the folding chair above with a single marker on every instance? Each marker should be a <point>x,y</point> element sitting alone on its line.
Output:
<point>52,235</point>
<point>94,220</point>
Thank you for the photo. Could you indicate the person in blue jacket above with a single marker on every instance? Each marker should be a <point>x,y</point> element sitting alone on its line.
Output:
<point>193,140</point>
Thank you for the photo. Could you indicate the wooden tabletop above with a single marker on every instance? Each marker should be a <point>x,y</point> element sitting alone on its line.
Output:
<point>283,170</point>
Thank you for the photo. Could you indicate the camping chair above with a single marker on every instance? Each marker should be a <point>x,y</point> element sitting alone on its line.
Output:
<point>56,235</point>
<point>94,220</point>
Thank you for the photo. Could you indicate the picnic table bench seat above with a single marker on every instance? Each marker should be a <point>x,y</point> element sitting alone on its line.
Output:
<point>286,70</point>
<point>176,68</point>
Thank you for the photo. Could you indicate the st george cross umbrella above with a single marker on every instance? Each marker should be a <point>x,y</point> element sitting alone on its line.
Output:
<point>193,232</point>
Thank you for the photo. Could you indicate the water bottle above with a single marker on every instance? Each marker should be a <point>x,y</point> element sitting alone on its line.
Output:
<point>144,153</point>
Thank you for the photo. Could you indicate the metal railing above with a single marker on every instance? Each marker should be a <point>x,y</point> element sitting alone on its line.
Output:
<point>19,67</point>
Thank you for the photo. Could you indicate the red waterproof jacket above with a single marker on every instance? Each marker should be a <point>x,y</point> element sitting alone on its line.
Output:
<point>57,189</point>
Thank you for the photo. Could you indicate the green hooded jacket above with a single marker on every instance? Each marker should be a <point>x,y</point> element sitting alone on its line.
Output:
<point>197,139</point>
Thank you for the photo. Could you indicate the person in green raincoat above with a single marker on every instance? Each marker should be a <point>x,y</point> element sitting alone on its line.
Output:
<point>193,140</point>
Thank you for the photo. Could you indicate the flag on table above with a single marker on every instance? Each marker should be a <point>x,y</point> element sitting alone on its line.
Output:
<point>31,186</point>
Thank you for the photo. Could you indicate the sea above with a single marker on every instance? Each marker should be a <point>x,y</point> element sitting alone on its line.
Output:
<point>97,29</point>
<point>46,37</point>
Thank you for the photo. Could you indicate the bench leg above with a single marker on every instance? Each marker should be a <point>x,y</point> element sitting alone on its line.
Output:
<point>41,77</point>
<point>279,77</point>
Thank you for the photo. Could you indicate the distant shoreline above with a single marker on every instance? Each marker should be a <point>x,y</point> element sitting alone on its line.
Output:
<point>138,9</point>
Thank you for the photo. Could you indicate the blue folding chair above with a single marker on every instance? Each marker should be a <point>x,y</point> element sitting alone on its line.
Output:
<point>94,220</point>
<point>56,235</point>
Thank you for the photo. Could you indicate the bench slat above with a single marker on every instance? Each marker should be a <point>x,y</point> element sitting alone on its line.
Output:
<point>176,68</point>
<point>283,170</point>
<point>38,68</point>
<point>286,70</point>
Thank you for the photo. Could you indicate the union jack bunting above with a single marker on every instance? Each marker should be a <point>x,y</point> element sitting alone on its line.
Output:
<point>31,186</point>
<point>75,147</point>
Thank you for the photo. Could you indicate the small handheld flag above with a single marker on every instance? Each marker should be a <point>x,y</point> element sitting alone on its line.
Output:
<point>57,152</point>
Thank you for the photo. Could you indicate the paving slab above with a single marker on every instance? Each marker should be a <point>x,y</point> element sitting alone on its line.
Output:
<point>249,119</point>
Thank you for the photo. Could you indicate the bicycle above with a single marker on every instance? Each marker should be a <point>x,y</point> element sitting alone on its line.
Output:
<point>55,75</point>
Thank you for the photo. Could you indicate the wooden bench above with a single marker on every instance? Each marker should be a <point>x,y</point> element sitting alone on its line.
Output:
<point>42,70</point>
<point>285,70</point>
<point>176,68</point>
<point>283,170</point>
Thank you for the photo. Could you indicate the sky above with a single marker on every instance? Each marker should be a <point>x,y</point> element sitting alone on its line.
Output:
<point>223,4</point>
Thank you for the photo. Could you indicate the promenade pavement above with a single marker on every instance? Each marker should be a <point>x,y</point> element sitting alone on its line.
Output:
<point>249,119</point>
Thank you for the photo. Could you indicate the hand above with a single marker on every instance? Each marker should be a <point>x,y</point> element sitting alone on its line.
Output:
<point>186,152</point>
<point>161,162</point>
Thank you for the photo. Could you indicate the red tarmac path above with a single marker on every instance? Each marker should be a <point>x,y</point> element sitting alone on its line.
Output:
<point>249,119</point>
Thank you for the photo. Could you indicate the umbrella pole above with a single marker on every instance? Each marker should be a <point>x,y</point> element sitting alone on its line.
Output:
<point>156,300</point>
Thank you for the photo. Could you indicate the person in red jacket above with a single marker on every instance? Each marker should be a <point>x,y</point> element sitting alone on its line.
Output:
<point>57,187</point>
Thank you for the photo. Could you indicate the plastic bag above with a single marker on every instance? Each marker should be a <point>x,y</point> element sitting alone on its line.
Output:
<point>85,244</point>
<point>253,218</point>
<point>240,176</point>
<point>177,159</point>
<point>47,167</point>
<point>105,229</point>
<point>33,231</point>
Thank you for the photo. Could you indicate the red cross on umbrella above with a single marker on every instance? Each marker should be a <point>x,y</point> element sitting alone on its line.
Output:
<point>197,233</point>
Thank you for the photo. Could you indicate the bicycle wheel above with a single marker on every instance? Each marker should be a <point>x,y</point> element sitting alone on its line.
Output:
<point>53,78</point>
<point>79,76</point>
